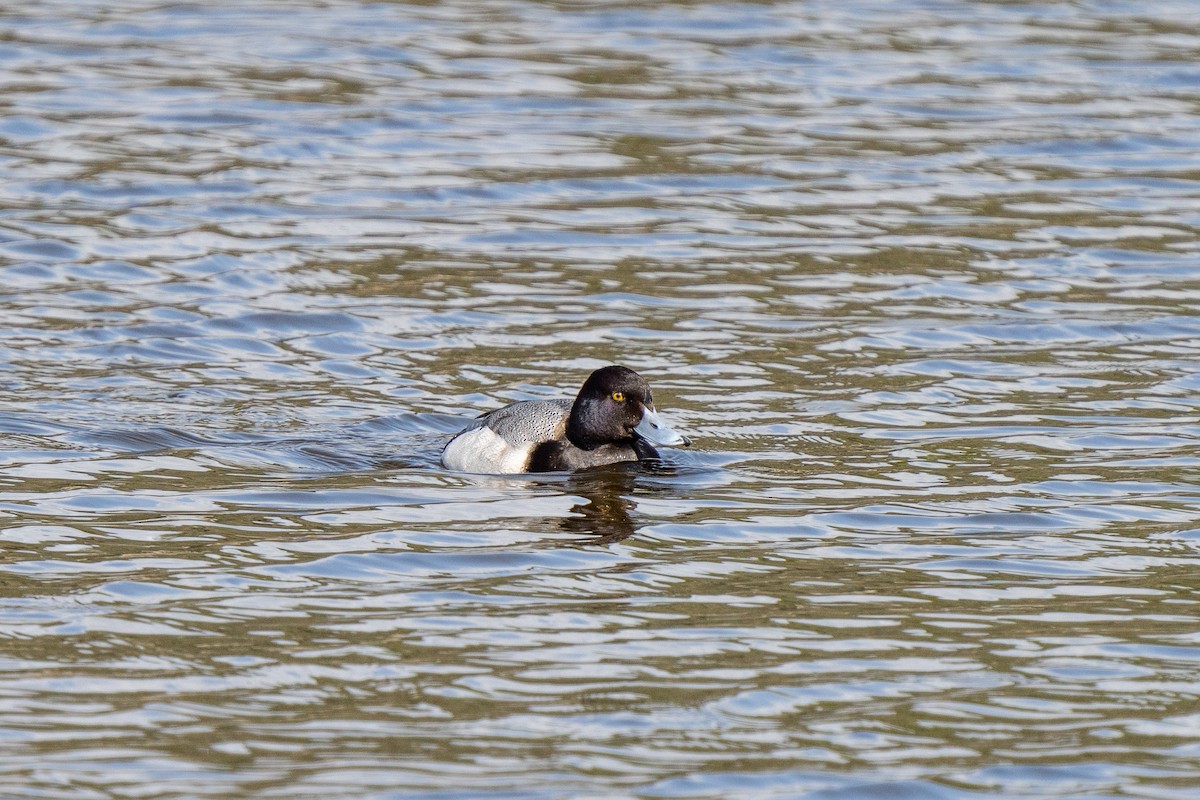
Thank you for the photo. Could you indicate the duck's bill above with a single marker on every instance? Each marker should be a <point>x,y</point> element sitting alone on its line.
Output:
<point>655,431</point>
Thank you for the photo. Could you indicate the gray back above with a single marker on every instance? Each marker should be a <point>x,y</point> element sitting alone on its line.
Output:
<point>529,422</point>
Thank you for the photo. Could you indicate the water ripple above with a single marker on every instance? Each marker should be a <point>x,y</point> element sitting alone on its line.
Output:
<point>919,280</point>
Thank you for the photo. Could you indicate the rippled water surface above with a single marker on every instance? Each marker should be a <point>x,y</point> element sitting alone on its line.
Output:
<point>921,279</point>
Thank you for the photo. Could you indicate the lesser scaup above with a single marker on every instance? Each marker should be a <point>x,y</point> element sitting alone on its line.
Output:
<point>612,419</point>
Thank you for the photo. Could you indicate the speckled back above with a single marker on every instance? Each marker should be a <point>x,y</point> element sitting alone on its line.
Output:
<point>529,422</point>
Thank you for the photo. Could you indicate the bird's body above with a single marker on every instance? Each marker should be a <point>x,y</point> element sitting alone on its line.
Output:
<point>611,420</point>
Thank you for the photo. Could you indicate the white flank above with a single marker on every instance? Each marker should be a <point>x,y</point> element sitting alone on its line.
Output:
<point>483,450</point>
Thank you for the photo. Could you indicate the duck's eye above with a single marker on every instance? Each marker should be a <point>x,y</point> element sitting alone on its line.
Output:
<point>619,397</point>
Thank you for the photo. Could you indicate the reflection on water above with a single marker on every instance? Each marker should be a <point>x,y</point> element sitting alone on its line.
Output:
<point>607,512</point>
<point>920,279</point>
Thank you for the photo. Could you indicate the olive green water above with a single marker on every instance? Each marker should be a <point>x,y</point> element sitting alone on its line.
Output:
<point>921,280</point>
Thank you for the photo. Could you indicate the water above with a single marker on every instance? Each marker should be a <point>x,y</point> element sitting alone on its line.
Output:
<point>920,279</point>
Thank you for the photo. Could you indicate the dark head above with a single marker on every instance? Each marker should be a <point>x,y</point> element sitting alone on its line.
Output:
<point>615,406</point>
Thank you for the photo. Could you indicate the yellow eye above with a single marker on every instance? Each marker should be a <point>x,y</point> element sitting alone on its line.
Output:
<point>619,397</point>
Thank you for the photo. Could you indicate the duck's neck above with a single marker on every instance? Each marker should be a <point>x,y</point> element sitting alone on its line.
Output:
<point>583,425</point>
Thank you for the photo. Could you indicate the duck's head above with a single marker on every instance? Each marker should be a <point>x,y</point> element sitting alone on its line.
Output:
<point>615,406</point>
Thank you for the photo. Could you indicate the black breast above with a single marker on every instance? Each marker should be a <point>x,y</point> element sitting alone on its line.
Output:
<point>560,454</point>
<point>550,456</point>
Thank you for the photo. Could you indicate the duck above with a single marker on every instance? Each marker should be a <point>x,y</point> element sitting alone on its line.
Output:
<point>612,419</point>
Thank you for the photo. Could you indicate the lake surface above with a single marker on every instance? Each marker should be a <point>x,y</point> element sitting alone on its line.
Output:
<point>920,279</point>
